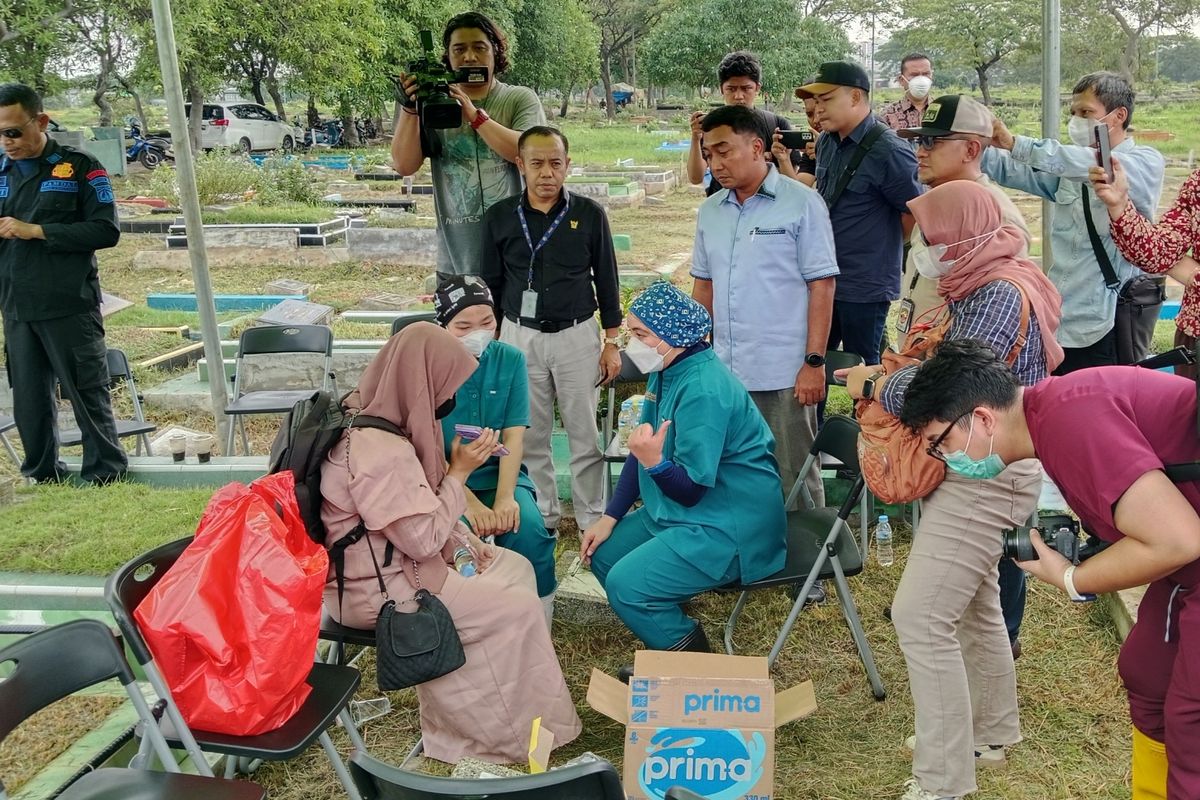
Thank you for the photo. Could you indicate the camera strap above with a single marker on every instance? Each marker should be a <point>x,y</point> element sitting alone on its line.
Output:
<point>533,251</point>
<point>1106,267</point>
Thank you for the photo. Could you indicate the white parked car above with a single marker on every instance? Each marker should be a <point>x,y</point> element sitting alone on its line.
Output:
<point>245,127</point>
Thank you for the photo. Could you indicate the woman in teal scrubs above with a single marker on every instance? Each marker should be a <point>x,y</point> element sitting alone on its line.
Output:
<point>702,463</point>
<point>500,494</point>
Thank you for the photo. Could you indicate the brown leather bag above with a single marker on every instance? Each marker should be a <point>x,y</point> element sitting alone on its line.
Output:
<point>894,460</point>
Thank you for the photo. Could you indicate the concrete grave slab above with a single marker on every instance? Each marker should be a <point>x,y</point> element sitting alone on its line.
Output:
<point>580,598</point>
<point>288,286</point>
<point>298,312</point>
<point>414,246</point>
<point>474,768</point>
<point>387,301</point>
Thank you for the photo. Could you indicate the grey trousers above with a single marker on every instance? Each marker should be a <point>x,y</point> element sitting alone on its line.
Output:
<point>948,621</point>
<point>794,427</point>
<point>563,367</point>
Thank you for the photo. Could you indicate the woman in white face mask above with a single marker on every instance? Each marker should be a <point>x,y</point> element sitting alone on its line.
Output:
<point>701,461</point>
<point>500,494</point>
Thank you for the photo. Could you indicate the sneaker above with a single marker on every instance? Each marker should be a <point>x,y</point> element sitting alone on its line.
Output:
<point>913,791</point>
<point>989,756</point>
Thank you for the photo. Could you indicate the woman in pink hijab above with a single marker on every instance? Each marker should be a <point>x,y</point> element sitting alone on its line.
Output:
<point>947,607</point>
<point>411,502</point>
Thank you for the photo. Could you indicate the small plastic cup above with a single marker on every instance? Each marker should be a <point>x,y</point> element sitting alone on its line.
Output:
<point>204,445</point>
<point>366,710</point>
<point>178,445</point>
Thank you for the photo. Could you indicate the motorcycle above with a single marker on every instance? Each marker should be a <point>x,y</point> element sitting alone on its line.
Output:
<point>149,151</point>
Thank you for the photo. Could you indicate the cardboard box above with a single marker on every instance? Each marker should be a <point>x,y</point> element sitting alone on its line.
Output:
<point>702,721</point>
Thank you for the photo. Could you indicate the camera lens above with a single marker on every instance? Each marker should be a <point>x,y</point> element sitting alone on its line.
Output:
<point>1018,546</point>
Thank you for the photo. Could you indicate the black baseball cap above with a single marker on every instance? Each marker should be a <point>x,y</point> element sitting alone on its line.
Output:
<point>833,74</point>
<point>952,113</point>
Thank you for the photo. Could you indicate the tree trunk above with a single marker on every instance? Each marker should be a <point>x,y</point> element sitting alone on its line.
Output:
<point>256,89</point>
<point>273,89</point>
<point>194,95</point>
<point>982,72</point>
<point>314,116</point>
<point>610,108</point>
<point>349,132</point>
<point>137,100</point>
<point>566,99</point>
<point>99,95</point>
<point>1129,55</point>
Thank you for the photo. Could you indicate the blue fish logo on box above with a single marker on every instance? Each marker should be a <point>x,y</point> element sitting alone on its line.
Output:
<point>720,764</point>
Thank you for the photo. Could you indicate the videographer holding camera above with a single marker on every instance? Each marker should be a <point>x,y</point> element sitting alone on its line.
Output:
<point>1108,439</point>
<point>467,123</point>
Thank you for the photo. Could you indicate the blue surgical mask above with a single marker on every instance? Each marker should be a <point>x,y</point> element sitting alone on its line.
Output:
<point>983,469</point>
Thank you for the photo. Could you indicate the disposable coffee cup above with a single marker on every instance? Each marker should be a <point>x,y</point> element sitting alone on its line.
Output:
<point>204,446</point>
<point>178,444</point>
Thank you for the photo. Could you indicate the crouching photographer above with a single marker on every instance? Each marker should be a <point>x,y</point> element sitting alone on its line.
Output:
<point>1121,444</point>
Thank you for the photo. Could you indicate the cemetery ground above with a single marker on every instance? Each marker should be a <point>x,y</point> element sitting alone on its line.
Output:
<point>1074,715</point>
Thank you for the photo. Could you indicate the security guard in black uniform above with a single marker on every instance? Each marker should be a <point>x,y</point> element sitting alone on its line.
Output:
<point>56,210</point>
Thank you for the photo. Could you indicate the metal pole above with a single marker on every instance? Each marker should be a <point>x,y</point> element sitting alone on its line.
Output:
<point>185,171</point>
<point>1050,108</point>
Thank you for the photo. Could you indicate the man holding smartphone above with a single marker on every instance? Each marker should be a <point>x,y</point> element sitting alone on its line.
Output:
<point>1088,269</point>
<point>474,165</point>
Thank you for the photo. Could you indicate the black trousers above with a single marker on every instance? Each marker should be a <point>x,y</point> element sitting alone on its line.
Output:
<point>70,351</point>
<point>1102,353</point>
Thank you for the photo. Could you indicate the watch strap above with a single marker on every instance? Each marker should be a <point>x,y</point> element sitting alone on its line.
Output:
<point>1069,585</point>
<point>869,384</point>
<point>481,117</point>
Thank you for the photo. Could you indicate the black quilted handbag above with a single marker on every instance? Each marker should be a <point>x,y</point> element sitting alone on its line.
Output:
<point>417,647</point>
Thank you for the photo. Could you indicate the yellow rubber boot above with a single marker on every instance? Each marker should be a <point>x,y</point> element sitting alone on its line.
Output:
<point>1149,768</point>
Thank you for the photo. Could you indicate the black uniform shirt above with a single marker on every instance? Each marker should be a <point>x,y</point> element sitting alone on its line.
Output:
<point>575,271</point>
<point>70,196</point>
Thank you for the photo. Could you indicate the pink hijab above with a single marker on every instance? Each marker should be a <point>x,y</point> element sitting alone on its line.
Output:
<point>416,371</point>
<point>960,210</point>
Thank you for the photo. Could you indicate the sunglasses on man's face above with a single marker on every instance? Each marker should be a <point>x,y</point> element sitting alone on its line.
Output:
<point>15,133</point>
<point>929,141</point>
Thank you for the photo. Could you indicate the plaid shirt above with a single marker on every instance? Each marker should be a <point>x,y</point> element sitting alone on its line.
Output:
<point>991,314</point>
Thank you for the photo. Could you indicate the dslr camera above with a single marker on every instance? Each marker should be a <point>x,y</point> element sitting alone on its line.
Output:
<point>1058,531</point>
<point>436,108</point>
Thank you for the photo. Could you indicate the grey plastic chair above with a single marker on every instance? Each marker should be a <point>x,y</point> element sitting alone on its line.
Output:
<point>591,780</point>
<point>53,663</point>
<point>281,340</point>
<point>403,321</point>
<point>608,430</point>
<point>333,686</point>
<point>120,373</point>
<point>8,424</point>
<point>820,545</point>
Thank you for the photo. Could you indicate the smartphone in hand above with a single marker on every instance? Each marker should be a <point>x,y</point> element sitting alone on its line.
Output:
<point>469,433</point>
<point>1104,151</point>
<point>796,140</point>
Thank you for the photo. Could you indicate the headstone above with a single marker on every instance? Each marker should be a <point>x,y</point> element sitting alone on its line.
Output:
<point>622,242</point>
<point>298,312</point>
<point>474,768</point>
<point>288,286</point>
<point>580,598</point>
<point>111,304</point>
<point>387,301</point>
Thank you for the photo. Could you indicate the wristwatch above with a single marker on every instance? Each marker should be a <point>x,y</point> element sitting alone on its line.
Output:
<point>815,360</point>
<point>869,385</point>
<point>481,117</point>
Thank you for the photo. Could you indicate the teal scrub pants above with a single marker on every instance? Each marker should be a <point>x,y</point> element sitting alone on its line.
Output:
<point>531,540</point>
<point>647,582</point>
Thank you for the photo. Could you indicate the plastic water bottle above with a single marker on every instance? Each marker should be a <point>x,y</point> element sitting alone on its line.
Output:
<point>464,562</point>
<point>883,542</point>
<point>625,421</point>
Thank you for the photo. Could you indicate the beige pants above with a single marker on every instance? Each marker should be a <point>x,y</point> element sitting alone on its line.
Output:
<point>794,427</point>
<point>948,620</point>
<point>563,366</point>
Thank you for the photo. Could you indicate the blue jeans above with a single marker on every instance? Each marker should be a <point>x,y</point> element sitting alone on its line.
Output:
<point>1012,597</point>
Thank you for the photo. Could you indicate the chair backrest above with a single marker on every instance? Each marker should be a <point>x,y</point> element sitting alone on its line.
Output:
<point>839,438</point>
<point>118,364</point>
<point>126,588</point>
<point>679,793</point>
<point>400,323</point>
<point>839,359</point>
<point>268,339</point>
<point>591,780</point>
<point>49,665</point>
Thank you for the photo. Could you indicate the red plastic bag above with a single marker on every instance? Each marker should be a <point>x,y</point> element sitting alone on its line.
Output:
<point>233,625</point>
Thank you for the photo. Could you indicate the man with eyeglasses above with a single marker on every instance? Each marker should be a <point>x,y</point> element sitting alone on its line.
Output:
<point>56,210</point>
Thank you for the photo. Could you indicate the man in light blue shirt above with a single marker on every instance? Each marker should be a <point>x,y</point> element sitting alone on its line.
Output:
<point>764,267</point>
<point>1059,172</point>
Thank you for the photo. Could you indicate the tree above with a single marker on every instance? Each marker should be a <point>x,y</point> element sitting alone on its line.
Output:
<point>559,47</point>
<point>975,35</point>
<point>685,47</point>
<point>1136,18</point>
<point>1179,58</point>
<point>103,39</point>
<point>32,34</point>
<point>621,23</point>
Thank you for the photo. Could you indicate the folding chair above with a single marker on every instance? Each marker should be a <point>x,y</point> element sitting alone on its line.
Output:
<point>402,322</point>
<point>119,372</point>
<point>835,360</point>
<point>608,433</point>
<point>590,780</point>
<point>53,663</point>
<point>333,686</point>
<point>276,340</point>
<point>679,793</point>
<point>8,424</point>
<point>820,545</point>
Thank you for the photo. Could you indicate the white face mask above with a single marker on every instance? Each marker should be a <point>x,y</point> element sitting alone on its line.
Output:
<point>643,356</point>
<point>1081,129</point>
<point>930,260</point>
<point>477,341</point>
<point>919,86</point>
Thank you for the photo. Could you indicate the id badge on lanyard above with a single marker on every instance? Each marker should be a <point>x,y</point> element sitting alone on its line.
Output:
<point>529,297</point>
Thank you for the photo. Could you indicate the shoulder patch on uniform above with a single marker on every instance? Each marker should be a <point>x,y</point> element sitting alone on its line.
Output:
<point>64,170</point>
<point>59,186</point>
<point>3,186</point>
<point>102,185</point>
<point>97,173</point>
<point>54,158</point>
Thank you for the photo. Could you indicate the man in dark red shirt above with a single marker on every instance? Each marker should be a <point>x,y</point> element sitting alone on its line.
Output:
<point>1103,436</point>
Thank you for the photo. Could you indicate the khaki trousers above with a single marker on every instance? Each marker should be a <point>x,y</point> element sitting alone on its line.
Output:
<point>948,621</point>
<point>563,366</point>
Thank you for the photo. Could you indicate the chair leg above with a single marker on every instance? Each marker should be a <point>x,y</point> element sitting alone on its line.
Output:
<point>245,436</point>
<point>339,767</point>
<point>181,729</point>
<point>143,444</point>
<point>417,750</point>
<point>12,453</point>
<point>352,729</point>
<point>864,515</point>
<point>797,607</point>
<point>850,612</point>
<point>732,621</point>
<point>229,436</point>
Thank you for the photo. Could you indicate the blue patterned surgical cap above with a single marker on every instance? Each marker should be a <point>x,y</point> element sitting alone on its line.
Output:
<point>673,316</point>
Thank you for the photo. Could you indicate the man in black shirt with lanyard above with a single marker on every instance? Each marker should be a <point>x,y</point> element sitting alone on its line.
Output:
<point>548,258</point>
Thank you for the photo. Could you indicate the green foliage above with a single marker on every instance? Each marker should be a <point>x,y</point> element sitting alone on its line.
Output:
<point>285,179</point>
<point>558,45</point>
<point>685,47</point>
<point>221,176</point>
<point>255,214</point>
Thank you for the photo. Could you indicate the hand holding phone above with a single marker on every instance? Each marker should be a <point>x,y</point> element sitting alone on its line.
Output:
<point>796,140</point>
<point>1104,150</point>
<point>469,433</point>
